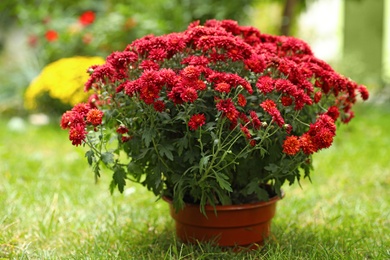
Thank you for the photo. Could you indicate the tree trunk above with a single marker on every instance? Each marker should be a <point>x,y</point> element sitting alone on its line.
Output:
<point>288,15</point>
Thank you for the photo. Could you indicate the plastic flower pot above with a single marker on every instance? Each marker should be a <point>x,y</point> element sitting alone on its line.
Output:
<point>246,225</point>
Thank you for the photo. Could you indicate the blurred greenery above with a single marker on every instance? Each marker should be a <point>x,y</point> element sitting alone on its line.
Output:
<point>24,24</point>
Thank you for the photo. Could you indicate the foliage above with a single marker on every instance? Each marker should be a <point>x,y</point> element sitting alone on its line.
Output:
<point>211,115</point>
<point>47,93</point>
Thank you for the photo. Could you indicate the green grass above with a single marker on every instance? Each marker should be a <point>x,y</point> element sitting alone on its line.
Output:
<point>50,207</point>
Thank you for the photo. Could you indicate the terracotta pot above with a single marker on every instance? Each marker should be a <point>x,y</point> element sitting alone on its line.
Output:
<point>244,225</point>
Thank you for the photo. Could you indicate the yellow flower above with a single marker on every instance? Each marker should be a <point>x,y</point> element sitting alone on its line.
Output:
<point>63,79</point>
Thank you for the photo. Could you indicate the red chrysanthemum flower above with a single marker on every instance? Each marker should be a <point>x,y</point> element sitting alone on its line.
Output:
<point>246,132</point>
<point>77,134</point>
<point>189,95</point>
<point>95,116</point>
<point>269,106</point>
<point>241,100</point>
<point>244,118</point>
<point>286,101</point>
<point>191,72</point>
<point>265,84</point>
<point>363,92</point>
<point>71,118</point>
<point>81,108</point>
<point>126,138</point>
<point>317,96</point>
<point>223,87</point>
<point>200,85</point>
<point>159,106</point>
<point>306,144</point>
<point>228,109</point>
<point>333,112</point>
<point>255,120</point>
<point>196,121</point>
<point>291,145</point>
<point>87,18</point>
<point>122,129</point>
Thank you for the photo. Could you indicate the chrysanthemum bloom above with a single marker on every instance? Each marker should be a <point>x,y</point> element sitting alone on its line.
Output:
<point>122,129</point>
<point>223,87</point>
<point>241,100</point>
<point>291,145</point>
<point>246,132</point>
<point>95,116</point>
<point>269,106</point>
<point>159,105</point>
<point>255,120</point>
<point>228,109</point>
<point>196,121</point>
<point>71,118</point>
<point>77,134</point>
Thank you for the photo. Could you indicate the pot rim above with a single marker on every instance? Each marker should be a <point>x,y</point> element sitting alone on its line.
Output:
<point>272,200</point>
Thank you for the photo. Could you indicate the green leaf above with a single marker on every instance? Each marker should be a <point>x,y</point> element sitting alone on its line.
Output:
<point>165,150</point>
<point>119,178</point>
<point>181,145</point>
<point>253,187</point>
<point>96,170</point>
<point>90,156</point>
<point>135,170</point>
<point>148,135</point>
<point>107,158</point>
<point>203,163</point>
<point>222,180</point>
<point>272,168</point>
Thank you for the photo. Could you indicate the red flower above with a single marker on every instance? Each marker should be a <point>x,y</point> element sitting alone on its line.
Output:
<point>255,120</point>
<point>291,145</point>
<point>189,95</point>
<point>159,106</point>
<point>246,132</point>
<point>86,18</point>
<point>333,112</point>
<point>265,84</point>
<point>228,109</point>
<point>196,121</point>
<point>286,101</point>
<point>51,35</point>
<point>81,108</point>
<point>269,106</point>
<point>77,134</point>
<point>122,129</point>
<point>317,96</point>
<point>191,72</point>
<point>71,118</point>
<point>126,138</point>
<point>306,144</point>
<point>95,116</point>
<point>363,92</point>
<point>223,87</point>
<point>241,100</point>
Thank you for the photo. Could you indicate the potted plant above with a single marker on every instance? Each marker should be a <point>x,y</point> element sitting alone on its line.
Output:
<point>216,116</point>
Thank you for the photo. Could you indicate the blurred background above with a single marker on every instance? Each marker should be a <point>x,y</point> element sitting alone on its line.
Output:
<point>36,36</point>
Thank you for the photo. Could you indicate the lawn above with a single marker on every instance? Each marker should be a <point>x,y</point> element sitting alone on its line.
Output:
<point>50,207</point>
